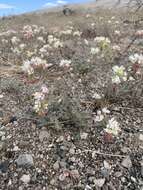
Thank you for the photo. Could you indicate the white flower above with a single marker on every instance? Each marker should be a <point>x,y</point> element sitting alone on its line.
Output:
<point>113,17</point>
<point>119,70</point>
<point>41,39</point>
<point>116,79</point>
<point>39,96</point>
<point>16,50</point>
<point>94,51</point>
<point>105,110</point>
<point>15,40</point>
<point>117,32</point>
<point>22,46</point>
<point>77,33</point>
<point>50,39</point>
<point>65,63</point>
<point>96,96</point>
<point>117,22</point>
<point>37,106</point>
<point>86,42</point>
<point>113,127</point>
<point>116,48</point>
<point>139,33</point>
<point>119,74</point>
<point>87,15</point>
<point>136,58</point>
<point>4,41</point>
<point>40,104</point>
<point>99,117</point>
<point>58,44</point>
<point>37,61</point>
<point>44,89</point>
<point>44,49</point>
<point>27,67</point>
<point>93,24</point>
<point>66,32</point>
<point>100,39</point>
<point>131,78</point>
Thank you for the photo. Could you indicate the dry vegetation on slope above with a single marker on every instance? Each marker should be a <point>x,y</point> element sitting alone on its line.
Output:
<point>71,101</point>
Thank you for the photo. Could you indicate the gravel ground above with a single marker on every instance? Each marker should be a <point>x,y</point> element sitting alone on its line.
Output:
<point>44,158</point>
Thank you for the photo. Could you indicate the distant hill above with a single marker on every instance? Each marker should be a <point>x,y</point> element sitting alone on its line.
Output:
<point>93,5</point>
<point>113,3</point>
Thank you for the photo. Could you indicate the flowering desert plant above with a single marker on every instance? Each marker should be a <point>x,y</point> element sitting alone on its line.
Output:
<point>113,127</point>
<point>119,74</point>
<point>105,47</point>
<point>35,63</point>
<point>41,103</point>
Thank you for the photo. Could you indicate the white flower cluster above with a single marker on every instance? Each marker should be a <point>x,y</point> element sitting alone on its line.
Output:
<point>44,50</point>
<point>4,41</point>
<point>16,50</point>
<point>40,104</point>
<point>113,127</point>
<point>94,51</point>
<point>22,46</point>
<point>116,48</point>
<point>119,74</point>
<point>30,31</point>
<point>102,39</point>
<point>8,33</point>
<point>101,114</point>
<point>15,40</point>
<point>77,33</point>
<point>54,41</point>
<point>66,32</point>
<point>117,32</point>
<point>136,58</point>
<point>41,39</point>
<point>27,67</point>
<point>35,62</point>
<point>102,42</point>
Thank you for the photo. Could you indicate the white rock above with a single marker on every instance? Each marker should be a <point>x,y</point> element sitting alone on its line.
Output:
<point>1,96</point>
<point>75,174</point>
<point>105,110</point>
<point>25,178</point>
<point>60,139</point>
<point>127,163</point>
<point>56,165</point>
<point>83,136</point>
<point>87,187</point>
<point>25,160</point>
<point>99,182</point>
<point>106,165</point>
<point>62,177</point>
<point>44,135</point>
<point>16,148</point>
<point>9,183</point>
<point>141,137</point>
<point>72,151</point>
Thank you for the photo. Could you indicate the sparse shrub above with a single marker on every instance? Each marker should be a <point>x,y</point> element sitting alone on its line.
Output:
<point>64,107</point>
<point>10,85</point>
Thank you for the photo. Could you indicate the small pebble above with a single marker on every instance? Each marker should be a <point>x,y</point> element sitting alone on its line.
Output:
<point>83,136</point>
<point>127,163</point>
<point>25,178</point>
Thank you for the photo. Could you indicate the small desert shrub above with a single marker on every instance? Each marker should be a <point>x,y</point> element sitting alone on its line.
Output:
<point>130,92</point>
<point>64,107</point>
<point>89,33</point>
<point>10,85</point>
